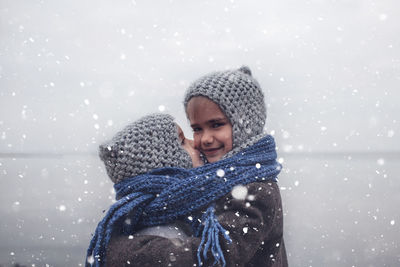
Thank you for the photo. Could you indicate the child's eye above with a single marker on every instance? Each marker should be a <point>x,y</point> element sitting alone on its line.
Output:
<point>217,124</point>
<point>196,129</point>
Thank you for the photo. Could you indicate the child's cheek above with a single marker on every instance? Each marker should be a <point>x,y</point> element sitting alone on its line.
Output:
<point>197,141</point>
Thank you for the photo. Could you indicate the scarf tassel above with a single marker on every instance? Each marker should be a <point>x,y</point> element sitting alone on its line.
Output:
<point>211,231</point>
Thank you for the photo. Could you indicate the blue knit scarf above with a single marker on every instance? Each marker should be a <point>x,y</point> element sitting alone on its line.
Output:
<point>167,194</point>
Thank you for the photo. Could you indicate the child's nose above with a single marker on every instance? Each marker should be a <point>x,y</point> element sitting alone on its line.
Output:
<point>207,138</point>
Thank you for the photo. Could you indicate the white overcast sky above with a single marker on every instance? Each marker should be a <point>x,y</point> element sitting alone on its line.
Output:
<point>72,73</point>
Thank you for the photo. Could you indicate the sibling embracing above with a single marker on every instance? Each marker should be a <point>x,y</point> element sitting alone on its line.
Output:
<point>213,201</point>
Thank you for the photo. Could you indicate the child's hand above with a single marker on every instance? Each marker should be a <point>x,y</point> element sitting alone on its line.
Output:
<point>188,145</point>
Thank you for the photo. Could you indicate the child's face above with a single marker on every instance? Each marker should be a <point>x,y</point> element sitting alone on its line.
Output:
<point>212,131</point>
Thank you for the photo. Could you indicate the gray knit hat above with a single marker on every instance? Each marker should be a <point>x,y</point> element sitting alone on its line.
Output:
<point>149,143</point>
<point>240,97</point>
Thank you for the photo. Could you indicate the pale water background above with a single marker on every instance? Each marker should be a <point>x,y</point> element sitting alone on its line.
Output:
<point>72,73</point>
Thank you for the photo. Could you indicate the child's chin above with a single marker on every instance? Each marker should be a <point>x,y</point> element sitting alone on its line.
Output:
<point>214,158</point>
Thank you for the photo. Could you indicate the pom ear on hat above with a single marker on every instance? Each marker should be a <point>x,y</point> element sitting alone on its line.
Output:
<point>106,151</point>
<point>245,70</point>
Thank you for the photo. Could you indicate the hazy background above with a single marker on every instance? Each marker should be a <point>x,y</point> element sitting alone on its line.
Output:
<point>72,73</point>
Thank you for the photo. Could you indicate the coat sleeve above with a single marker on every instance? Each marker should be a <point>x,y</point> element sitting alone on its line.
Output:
<point>149,251</point>
<point>255,226</point>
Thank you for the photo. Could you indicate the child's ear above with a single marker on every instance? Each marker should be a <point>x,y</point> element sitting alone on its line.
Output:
<point>181,135</point>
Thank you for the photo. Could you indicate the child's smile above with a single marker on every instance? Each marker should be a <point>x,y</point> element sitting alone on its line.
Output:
<point>212,131</point>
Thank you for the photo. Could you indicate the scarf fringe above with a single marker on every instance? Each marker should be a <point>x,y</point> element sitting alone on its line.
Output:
<point>212,229</point>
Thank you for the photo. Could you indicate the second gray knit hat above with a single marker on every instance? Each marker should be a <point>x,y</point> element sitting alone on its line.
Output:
<point>149,143</point>
<point>240,97</point>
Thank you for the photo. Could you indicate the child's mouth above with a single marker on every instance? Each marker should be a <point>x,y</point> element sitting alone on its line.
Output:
<point>211,151</point>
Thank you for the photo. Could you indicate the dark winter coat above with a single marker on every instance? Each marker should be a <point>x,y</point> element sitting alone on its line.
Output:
<point>255,226</point>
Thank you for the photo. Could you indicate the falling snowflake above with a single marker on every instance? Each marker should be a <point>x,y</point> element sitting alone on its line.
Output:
<point>62,208</point>
<point>239,192</point>
<point>90,259</point>
<point>220,173</point>
<point>285,134</point>
<point>161,108</point>
<point>380,162</point>
<point>250,197</point>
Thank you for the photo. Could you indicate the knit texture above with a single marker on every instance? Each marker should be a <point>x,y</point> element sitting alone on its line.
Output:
<point>166,194</point>
<point>150,143</point>
<point>240,98</point>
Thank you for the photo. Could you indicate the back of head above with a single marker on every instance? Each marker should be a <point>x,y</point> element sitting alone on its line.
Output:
<point>149,143</point>
<point>240,97</point>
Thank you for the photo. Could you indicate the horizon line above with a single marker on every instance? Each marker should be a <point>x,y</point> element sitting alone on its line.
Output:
<point>318,154</point>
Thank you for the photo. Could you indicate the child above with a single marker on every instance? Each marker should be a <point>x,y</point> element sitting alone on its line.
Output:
<point>227,113</point>
<point>152,142</point>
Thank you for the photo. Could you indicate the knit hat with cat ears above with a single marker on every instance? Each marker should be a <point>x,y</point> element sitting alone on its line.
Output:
<point>149,143</point>
<point>241,99</point>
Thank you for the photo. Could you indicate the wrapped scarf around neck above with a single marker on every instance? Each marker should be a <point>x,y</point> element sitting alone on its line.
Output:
<point>167,194</point>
